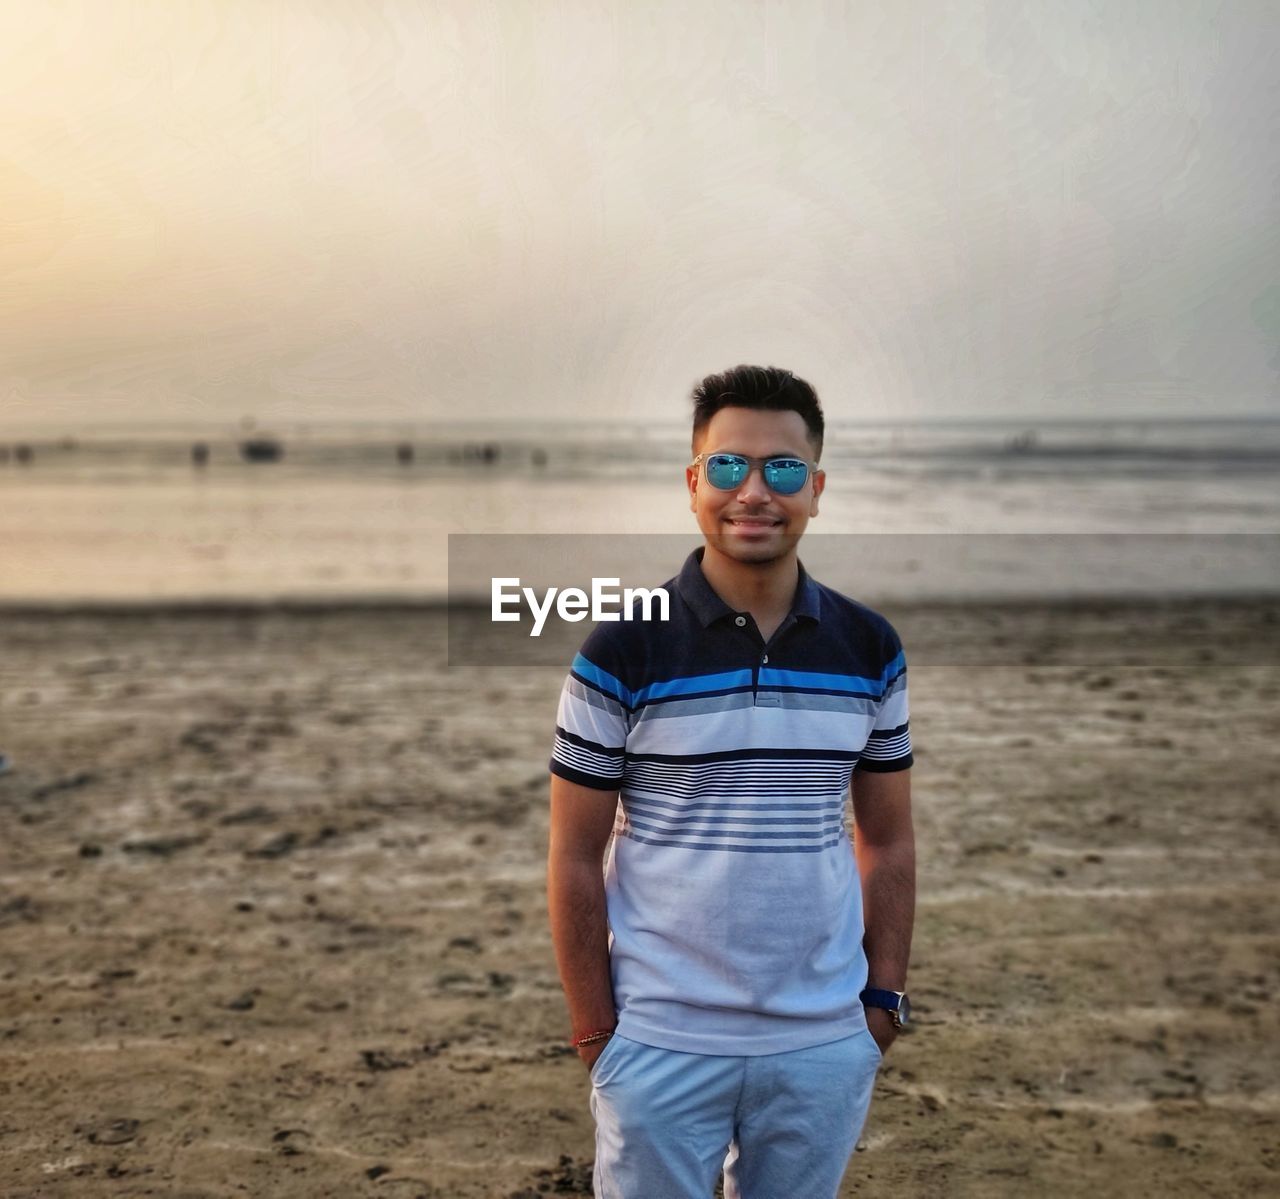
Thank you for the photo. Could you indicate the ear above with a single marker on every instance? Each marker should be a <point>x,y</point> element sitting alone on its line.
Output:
<point>819,482</point>
<point>691,482</point>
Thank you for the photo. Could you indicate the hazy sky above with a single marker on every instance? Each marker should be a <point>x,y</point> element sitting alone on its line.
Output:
<point>346,209</point>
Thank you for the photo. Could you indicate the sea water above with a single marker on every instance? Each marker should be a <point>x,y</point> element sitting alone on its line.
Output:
<point>362,511</point>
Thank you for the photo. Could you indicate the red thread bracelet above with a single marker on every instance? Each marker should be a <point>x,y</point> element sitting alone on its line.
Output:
<point>590,1038</point>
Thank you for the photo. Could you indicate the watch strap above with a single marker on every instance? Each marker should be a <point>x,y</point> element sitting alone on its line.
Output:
<point>879,997</point>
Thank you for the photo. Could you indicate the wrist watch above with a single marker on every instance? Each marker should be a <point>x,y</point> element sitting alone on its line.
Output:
<point>895,1003</point>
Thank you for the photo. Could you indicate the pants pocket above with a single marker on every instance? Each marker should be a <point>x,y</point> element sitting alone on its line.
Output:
<point>598,1067</point>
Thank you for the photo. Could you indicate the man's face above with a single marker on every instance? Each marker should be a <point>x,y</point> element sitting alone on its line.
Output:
<point>751,523</point>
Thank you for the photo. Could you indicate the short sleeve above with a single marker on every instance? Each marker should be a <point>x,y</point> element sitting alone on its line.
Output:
<point>888,747</point>
<point>593,718</point>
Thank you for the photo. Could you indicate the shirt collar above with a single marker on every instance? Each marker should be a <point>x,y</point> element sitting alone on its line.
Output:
<point>708,607</point>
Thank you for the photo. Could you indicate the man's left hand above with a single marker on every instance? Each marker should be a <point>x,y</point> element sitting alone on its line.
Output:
<point>880,1024</point>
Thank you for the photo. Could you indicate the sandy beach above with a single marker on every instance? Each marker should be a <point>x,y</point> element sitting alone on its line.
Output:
<point>273,924</point>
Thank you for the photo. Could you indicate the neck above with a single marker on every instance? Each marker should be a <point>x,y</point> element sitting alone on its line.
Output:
<point>765,589</point>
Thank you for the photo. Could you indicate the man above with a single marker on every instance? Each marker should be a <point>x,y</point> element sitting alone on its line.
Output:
<point>735,974</point>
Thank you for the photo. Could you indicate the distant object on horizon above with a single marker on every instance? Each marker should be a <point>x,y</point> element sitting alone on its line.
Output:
<point>261,449</point>
<point>1022,443</point>
<point>471,451</point>
<point>23,454</point>
<point>404,453</point>
<point>200,453</point>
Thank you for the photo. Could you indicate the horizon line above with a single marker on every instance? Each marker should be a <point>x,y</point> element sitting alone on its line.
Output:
<point>267,428</point>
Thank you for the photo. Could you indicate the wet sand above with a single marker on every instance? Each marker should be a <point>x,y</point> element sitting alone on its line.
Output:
<point>272,914</point>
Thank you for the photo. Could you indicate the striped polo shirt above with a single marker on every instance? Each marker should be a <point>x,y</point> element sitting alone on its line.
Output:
<point>734,904</point>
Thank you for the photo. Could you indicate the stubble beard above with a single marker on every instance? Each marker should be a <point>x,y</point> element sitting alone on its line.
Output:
<point>740,551</point>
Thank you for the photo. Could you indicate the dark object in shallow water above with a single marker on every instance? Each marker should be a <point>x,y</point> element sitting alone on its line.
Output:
<point>199,453</point>
<point>261,449</point>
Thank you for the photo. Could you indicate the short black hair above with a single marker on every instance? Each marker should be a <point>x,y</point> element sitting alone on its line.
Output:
<point>767,387</point>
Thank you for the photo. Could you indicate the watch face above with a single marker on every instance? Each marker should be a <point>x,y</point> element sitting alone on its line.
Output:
<point>904,1010</point>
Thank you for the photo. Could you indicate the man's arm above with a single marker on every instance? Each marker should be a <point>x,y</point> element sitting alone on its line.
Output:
<point>884,843</point>
<point>581,821</point>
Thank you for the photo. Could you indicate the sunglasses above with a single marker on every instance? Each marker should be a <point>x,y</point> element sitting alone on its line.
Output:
<point>726,472</point>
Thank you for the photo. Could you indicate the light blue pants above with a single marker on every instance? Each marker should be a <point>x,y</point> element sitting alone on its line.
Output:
<point>788,1122</point>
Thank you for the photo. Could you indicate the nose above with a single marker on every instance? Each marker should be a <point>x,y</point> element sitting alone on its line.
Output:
<point>753,489</point>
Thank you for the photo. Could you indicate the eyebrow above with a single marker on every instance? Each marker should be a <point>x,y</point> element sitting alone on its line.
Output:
<point>771,454</point>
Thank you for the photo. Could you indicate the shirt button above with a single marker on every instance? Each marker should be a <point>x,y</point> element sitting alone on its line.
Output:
<point>765,658</point>
<point>739,621</point>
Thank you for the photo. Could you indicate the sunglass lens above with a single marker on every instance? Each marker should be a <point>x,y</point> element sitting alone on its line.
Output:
<point>785,475</point>
<point>726,470</point>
